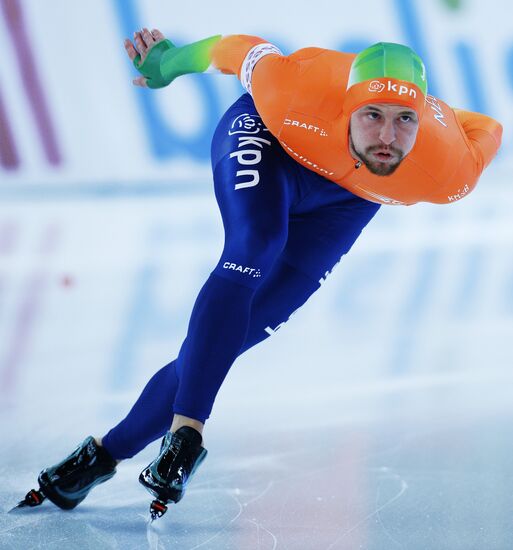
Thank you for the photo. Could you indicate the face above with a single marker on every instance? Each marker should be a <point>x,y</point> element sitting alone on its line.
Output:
<point>381,135</point>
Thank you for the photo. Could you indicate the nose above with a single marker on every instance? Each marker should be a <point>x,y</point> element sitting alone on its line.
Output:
<point>387,132</point>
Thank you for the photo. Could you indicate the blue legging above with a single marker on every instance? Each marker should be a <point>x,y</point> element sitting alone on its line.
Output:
<point>285,229</point>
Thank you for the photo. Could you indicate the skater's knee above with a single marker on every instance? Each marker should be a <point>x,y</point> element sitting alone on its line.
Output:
<point>252,250</point>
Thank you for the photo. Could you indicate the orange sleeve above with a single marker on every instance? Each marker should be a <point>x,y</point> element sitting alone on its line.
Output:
<point>229,53</point>
<point>309,82</point>
<point>272,80</point>
<point>484,135</point>
<point>274,83</point>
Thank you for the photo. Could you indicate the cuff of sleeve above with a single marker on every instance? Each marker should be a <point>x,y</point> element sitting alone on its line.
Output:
<point>252,58</point>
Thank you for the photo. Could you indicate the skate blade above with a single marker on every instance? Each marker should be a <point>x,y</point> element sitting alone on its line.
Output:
<point>32,499</point>
<point>20,504</point>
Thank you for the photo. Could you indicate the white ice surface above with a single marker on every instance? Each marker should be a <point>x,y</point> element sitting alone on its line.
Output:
<point>377,418</point>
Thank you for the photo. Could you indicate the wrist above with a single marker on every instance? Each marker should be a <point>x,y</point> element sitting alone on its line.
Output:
<point>150,67</point>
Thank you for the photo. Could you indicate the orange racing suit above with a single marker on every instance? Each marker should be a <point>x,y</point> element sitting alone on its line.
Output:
<point>304,101</point>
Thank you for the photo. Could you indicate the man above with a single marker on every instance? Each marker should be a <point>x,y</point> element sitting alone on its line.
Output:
<point>301,164</point>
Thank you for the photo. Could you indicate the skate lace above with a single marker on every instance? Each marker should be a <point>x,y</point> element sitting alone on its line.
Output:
<point>87,453</point>
<point>169,457</point>
<point>81,456</point>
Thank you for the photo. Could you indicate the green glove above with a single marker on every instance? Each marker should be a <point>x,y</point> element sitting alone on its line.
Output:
<point>165,61</point>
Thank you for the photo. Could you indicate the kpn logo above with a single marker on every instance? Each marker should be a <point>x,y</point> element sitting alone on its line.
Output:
<point>377,86</point>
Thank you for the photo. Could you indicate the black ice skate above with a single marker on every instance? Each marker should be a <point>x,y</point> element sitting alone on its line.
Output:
<point>67,484</point>
<point>166,477</point>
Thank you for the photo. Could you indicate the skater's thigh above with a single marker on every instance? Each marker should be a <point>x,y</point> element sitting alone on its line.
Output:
<point>316,242</point>
<point>253,178</point>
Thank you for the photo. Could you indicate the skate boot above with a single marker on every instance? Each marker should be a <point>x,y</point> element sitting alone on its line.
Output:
<point>167,476</point>
<point>67,483</point>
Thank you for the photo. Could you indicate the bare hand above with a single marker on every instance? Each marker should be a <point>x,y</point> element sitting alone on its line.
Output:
<point>144,40</point>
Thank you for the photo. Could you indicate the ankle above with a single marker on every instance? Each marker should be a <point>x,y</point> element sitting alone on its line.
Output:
<point>99,442</point>
<point>180,421</point>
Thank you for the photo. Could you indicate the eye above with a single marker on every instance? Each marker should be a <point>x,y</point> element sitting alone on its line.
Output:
<point>373,115</point>
<point>406,118</point>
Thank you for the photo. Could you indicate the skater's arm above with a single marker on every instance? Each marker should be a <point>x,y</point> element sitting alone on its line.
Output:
<point>160,61</point>
<point>484,136</point>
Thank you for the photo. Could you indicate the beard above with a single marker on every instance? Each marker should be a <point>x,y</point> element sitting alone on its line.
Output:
<point>375,166</point>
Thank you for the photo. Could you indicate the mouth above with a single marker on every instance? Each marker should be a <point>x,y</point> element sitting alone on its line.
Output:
<point>384,156</point>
